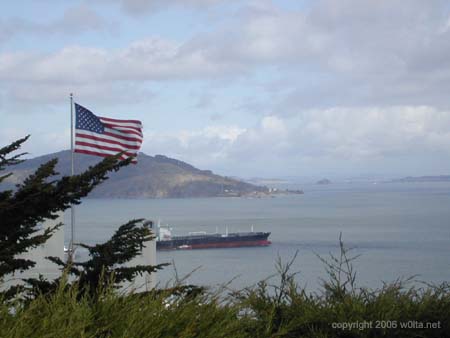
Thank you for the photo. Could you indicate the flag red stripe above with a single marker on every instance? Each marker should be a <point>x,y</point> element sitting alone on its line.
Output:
<point>97,146</point>
<point>123,129</point>
<point>120,133</point>
<point>122,137</point>
<point>116,120</point>
<point>81,133</point>
<point>115,125</point>
<point>95,138</point>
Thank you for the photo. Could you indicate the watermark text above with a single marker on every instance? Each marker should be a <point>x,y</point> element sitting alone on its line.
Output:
<point>385,324</point>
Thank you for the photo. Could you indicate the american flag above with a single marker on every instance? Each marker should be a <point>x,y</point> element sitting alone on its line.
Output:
<point>103,136</point>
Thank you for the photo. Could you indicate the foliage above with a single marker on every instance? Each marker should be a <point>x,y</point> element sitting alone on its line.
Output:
<point>286,310</point>
<point>40,196</point>
<point>106,260</point>
<point>282,309</point>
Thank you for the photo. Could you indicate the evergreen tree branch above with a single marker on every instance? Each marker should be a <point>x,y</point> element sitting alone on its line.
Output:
<point>5,151</point>
<point>38,198</point>
<point>108,259</point>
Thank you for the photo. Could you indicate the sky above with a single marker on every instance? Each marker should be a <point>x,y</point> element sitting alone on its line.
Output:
<point>326,88</point>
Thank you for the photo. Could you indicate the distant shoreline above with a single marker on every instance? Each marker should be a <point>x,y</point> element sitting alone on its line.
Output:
<point>415,179</point>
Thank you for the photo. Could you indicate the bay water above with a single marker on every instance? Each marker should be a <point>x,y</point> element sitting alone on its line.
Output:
<point>399,230</point>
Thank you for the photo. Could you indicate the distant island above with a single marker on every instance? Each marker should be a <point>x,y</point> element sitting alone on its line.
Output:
<point>323,181</point>
<point>152,177</point>
<point>411,179</point>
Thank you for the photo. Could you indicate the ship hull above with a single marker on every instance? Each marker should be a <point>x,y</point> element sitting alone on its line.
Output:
<point>213,241</point>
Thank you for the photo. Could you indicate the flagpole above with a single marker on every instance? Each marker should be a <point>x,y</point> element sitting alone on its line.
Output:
<point>72,209</point>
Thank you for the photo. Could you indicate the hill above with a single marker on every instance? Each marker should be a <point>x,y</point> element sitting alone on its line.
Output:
<point>153,177</point>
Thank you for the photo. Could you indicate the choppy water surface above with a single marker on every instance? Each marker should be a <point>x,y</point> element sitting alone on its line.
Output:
<point>399,229</point>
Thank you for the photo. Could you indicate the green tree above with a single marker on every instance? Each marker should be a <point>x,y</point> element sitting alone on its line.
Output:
<point>106,263</point>
<point>41,196</point>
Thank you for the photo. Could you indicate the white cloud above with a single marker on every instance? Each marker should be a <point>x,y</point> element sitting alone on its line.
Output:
<point>273,124</point>
<point>142,7</point>
<point>331,54</point>
<point>378,139</point>
<point>352,52</point>
<point>349,84</point>
<point>75,20</point>
<point>145,60</point>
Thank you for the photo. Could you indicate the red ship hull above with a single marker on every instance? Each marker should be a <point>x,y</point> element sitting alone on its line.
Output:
<point>224,245</point>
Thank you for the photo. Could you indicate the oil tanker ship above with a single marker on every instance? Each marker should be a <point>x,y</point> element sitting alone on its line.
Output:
<point>203,240</point>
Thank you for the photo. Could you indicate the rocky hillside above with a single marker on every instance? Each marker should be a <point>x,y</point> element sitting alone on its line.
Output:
<point>153,177</point>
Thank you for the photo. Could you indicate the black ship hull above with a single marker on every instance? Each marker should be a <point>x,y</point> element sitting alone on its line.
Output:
<point>208,241</point>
